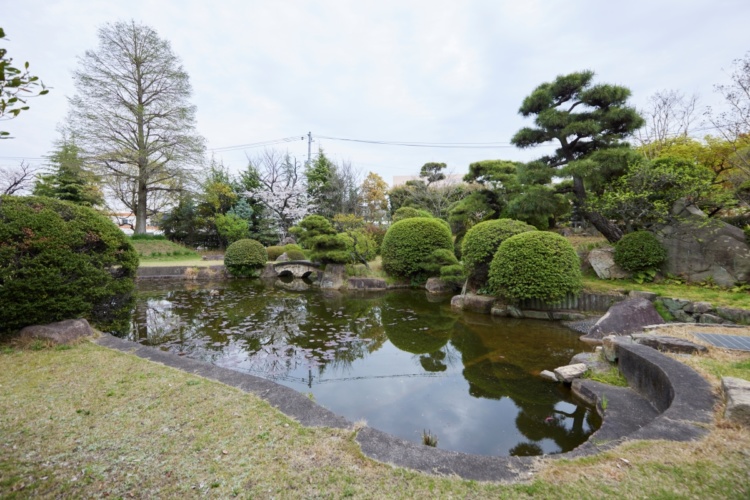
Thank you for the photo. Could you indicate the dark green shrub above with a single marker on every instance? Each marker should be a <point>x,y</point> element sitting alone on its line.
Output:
<point>409,244</point>
<point>311,227</point>
<point>244,258</point>
<point>274,252</point>
<point>481,243</point>
<point>535,265</point>
<point>330,249</point>
<point>639,251</point>
<point>294,252</point>
<point>62,261</point>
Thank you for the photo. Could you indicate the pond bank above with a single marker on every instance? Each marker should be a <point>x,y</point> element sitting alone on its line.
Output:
<point>669,382</point>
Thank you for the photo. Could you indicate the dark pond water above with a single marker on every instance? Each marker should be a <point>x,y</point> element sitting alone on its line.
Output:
<point>402,361</point>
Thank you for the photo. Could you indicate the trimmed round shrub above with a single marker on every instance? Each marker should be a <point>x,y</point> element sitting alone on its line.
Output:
<point>62,261</point>
<point>273,252</point>
<point>481,243</point>
<point>294,252</point>
<point>244,258</point>
<point>409,245</point>
<point>639,251</point>
<point>409,213</point>
<point>535,265</point>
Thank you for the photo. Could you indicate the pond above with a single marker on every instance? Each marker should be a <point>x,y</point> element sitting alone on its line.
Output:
<point>401,360</point>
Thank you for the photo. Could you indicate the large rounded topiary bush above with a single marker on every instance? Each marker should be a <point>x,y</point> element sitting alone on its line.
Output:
<point>481,243</point>
<point>409,245</point>
<point>639,251</point>
<point>62,261</point>
<point>244,258</point>
<point>535,265</point>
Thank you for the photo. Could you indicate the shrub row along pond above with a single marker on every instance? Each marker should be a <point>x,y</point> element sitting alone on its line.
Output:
<point>402,361</point>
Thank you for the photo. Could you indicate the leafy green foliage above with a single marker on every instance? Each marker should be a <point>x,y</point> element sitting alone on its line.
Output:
<point>244,258</point>
<point>274,252</point>
<point>16,85</point>
<point>310,228</point>
<point>409,212</point>
<point>644,196</point>
<point>67,179</point>
<point>585,120</point>
<point>61,261</point>
<point>639,251</point>
<point>409,245</point>
<point>481,243</point>
<point>231,227</point>
<point>330,249</point>
<point>535,265</point>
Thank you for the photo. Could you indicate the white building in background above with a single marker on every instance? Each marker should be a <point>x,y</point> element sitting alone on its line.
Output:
<point>450,179</point>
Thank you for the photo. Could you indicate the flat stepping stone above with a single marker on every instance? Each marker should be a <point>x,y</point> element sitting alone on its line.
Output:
<point>737,393</point>
<point>668,344</point>
<point>736,342</point>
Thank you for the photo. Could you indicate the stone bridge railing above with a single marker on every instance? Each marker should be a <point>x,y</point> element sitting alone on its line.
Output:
<point>297,268</point>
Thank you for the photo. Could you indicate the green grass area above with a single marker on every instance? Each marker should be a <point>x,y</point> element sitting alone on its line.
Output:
<point>698,292</point>
<point>162,250</point>
<point>91,422</point>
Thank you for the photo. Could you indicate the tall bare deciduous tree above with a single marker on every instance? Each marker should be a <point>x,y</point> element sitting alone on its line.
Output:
<point>733,122</point>
<point>668,118</point>
<point>132,117</point>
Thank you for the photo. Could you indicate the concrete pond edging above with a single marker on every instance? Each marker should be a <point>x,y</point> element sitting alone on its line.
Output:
<point>668,400</point>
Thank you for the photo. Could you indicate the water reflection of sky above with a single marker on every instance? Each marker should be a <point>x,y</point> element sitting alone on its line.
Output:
<point>401,363</point>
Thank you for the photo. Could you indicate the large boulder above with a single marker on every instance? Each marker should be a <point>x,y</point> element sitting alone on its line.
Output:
<point>699,248</point>
<point>602,260</point>
<point>61,332</point>
<point>624,318</point>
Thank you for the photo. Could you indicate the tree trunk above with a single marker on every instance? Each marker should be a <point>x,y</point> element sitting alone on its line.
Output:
<point>140,211</point>
<point>602,224</point>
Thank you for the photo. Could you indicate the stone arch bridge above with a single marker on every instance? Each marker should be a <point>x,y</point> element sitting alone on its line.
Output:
<point>297,268</point>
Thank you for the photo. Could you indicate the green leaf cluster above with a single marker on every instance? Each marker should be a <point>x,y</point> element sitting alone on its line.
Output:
<point>409,247</point>
<point>244,258</point>
<point>294,252</point>
<point>535,265</point>
<point>481,243</point>
<point>61,261</point>
<point>639,252</point>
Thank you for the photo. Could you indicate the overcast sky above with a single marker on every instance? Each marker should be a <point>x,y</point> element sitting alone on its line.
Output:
<point>415,71</point>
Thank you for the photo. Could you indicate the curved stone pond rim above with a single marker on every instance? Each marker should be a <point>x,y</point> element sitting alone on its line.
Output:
<point>685,401</point>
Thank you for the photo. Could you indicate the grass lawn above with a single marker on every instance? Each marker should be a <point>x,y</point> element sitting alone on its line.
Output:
<point>87,422</point>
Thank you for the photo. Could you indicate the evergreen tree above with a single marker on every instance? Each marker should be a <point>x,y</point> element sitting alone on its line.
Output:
<point>585,120</point>
<point>68,179</point>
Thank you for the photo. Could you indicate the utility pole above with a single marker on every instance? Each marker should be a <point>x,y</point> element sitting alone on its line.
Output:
<point>309,148</point>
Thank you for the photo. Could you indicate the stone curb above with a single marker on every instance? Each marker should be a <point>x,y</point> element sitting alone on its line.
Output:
<point>627,416</point>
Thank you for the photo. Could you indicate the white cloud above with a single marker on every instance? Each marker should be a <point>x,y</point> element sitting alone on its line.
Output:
<point>435,71</point>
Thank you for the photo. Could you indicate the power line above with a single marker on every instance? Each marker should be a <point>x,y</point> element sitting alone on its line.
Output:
<point>257,144</point>
<point>452,145</point>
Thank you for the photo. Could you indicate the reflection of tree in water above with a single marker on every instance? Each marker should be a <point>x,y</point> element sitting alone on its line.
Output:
<point>417,328</point>
<point>492,375</point>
